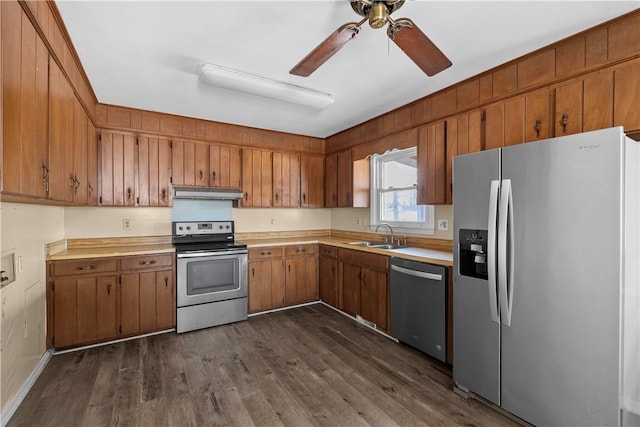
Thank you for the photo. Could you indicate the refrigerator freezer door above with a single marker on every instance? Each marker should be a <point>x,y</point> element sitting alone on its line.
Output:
<point>560,354</point>
<point>476,337</point>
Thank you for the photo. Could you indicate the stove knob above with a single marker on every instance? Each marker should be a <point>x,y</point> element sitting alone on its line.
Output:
<point>180,228</point>
<point>228,227</point>
<point>188,227</point>
<point>220,227</point>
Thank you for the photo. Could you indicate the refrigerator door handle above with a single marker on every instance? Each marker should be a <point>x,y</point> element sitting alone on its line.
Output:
<point>491,250</point>
<point>505,252</point>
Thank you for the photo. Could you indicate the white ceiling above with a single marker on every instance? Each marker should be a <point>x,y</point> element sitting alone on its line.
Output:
<point>146,54</point>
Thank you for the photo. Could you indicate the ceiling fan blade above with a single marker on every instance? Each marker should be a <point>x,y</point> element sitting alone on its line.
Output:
<point>326,49</point>
<point>417,46</point>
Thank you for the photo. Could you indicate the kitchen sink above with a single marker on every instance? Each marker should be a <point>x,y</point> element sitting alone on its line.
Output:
<point>377,245</point>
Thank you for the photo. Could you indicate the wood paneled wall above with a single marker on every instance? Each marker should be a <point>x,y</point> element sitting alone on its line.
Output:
<point>602,46</point>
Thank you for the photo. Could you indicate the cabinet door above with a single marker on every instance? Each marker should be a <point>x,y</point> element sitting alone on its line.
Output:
<point>598,101</point>
<point>374,297</point>
<point>627,92</point>
<point>224,164</point>
<point>129,304</point>
<point>154,170</point>
<point>301,280</point>
<point>256,178</point>
<point>80,153</point>
<point>266,285</point>
<point>465,134</point>
<point>328,280</point>
<point>165,300</point>
<point>345,179</point>
<point>117,169</point>
<point>351,288</point>
<point>331,181</point>
<point>106,308</point>
<point>286,180</point>
<point>432,169</point>
<point>59,182</point>
<point>65,308</point>
<point>147,283</point>
<point>568,119</point>
<point>92,164</point>
<point>311,181</point>
<point>190,163</point>
<point>537,115</point>
<point>87,309</point>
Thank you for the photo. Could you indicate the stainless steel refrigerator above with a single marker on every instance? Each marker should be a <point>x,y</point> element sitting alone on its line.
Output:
<point>546,279</point>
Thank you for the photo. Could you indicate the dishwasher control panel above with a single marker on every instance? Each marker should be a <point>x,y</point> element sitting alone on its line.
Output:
<point>473,253</point>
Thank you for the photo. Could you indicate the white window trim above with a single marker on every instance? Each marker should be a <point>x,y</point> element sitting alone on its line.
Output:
<point>428,227</point>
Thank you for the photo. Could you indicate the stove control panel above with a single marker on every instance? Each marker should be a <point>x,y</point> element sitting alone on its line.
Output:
<point>190,228</point>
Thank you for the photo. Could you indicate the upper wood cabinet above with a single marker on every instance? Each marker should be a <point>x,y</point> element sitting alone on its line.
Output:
<point>432,158</point>
<point>311,181</point>
<point>25,97</point>
<point>117,169</point>
<point>224,166</point>
<point>465,134</point>
<point>627,95</point>
<point>154,172</point>
<point>345,179</point>
<point>256,178</point>
<point>92,164</point>
<point>190,163</point>
<point>331,180</point>
<point>286,180</point>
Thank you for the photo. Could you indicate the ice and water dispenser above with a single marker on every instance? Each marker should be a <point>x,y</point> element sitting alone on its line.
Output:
<point>473,253</point>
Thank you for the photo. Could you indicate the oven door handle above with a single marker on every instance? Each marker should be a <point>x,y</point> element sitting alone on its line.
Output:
<point>210,254</point>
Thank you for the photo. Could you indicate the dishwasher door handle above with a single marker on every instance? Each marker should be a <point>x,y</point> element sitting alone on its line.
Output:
<point>422,274</point>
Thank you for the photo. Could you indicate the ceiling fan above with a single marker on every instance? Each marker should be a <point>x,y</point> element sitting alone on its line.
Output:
<point>404,32</point>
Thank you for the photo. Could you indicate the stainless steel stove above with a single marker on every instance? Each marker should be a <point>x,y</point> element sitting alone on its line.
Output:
<point>211,270</point>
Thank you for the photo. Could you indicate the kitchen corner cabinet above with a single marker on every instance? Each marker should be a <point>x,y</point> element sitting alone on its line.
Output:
<point>432,171</point>
<point>365,286</point>
<point>301,274</point>
<point>96,300</point>
<point>266,279</point>
<point>256,178</point>
<point>328,275</point>
<point>286,180</point>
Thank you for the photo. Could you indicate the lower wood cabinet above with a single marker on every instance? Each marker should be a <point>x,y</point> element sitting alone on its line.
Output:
<point>365,285</point>
<point>266,279</point>
<point>301,274</point>
<point>328,274</point>
<point>94,300</point>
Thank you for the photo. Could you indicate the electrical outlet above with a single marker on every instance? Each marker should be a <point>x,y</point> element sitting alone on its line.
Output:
<point>443,224</point>
<point>272,221</point>
<point>126,224</point>
<point>359,221</point>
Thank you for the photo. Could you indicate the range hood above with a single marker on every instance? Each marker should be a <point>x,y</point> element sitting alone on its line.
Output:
<point>206,193</point>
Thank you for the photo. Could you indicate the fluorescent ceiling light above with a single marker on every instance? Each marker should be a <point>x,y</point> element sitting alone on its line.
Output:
<point>226,78</point>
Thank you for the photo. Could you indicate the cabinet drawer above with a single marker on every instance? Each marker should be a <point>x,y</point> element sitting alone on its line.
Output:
<point>365,259</point>
<point>146,261</point>
<point>328,251</point>
<point>83,266</point>
<point>267,252</point>
<point>298,250</point>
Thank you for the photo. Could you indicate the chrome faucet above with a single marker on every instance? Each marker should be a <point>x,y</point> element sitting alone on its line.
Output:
<point>390,231</point>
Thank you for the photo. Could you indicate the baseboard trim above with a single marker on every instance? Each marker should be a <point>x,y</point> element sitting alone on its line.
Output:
<point>289,307</point>
<point>12,405</point>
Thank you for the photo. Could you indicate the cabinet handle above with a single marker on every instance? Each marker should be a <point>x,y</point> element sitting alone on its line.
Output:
<point>538,127</point>
<point>304,198</point>
<point>77,182</point>
<point>163,194</point>
<point>276,195</point>
<point>334,197</point>
<point>253,272</point>
<point>289,268</point>
<point>45,176</point>
<point>90,188</point>
<point>86,267</point>
<point>166,282</point>
<point>348,198</point>
<point>246,196</point>
<point>129,193</point>
<point>201,175</point>
<point>153,261</point>
<point>108,288</point>
<point>213,175</point>
<point>265,253</point>
<point>563,122</point>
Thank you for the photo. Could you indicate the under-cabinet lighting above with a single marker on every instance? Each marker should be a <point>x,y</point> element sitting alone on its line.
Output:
<point>226,78</point>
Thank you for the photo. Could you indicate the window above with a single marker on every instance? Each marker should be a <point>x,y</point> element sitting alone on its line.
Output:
<point>394,179</point>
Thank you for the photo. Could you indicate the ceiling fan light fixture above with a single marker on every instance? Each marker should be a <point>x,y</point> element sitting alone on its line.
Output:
<point>239,81</point>
<point>378,15</point>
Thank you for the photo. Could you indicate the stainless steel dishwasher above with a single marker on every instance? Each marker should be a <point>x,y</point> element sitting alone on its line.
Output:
<point>418,305</point>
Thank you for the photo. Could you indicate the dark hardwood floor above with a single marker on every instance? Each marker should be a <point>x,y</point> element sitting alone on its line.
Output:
<point>308,366</point>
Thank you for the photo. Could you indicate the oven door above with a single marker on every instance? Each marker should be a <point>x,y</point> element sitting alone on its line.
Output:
<point>210,277</point>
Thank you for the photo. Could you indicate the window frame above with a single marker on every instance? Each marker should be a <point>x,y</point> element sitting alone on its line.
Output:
<point>377,161</point>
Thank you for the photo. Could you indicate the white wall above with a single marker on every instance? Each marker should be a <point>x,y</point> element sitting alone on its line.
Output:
<point>83,222</point>
<point>272,220</point>
<point>25,229</point>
